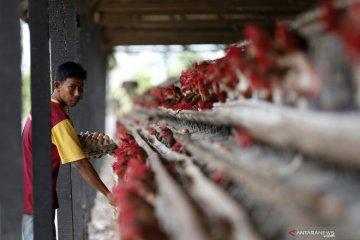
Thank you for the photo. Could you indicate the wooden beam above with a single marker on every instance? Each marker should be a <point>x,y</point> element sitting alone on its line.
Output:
<point>143,37</point>
<point>169,25</point>
<point>113,18</point>
<point>205,7</point>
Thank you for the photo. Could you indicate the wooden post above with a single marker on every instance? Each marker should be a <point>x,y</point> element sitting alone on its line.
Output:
<point>63,35</point>
<point>73,38</point>
<point>10,122</point>
<point>90,114</point>
<point>40,105</point>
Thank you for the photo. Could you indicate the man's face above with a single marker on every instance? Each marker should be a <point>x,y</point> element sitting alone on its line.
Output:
<point>70,91</point>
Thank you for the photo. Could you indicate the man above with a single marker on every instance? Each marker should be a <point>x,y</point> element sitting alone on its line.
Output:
<point>65,148</point>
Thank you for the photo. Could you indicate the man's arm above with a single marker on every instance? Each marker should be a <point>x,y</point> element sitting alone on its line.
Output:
<point>63,135</point>
<point>88,172</point>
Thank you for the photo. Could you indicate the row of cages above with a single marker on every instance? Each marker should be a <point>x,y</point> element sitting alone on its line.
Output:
<point>263,143</point>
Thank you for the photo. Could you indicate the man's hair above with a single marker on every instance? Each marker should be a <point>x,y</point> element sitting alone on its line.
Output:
<point>69,70</point>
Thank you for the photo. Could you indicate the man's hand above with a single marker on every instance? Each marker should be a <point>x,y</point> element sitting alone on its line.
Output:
<point>111,199</point>
<point>88,172</point>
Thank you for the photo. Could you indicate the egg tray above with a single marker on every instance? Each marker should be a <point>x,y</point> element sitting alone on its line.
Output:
<point>96,144</point>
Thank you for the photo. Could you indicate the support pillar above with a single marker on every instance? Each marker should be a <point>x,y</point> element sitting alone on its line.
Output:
<point>40,105</point>
<point>10,122</point>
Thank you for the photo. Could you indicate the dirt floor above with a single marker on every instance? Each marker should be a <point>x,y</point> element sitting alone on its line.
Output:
<point>103,224</point>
